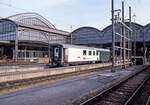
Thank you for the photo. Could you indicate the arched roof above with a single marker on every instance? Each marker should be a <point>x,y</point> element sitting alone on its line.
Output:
<point>8,21</point>
<point>107,32</point>
<point>86,27</point>
<point>86,35</point>
<point>133,24</point>
<point>147,32</point>
<point>147,26</point>
<point>90,35</point>
<point>139,25</point>
<point>36,18</point>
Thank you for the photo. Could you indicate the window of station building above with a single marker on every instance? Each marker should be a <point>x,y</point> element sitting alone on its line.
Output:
<point>27,54</point>
<point>36,54</point>
<point>21,54</point>
<point>30,54</point>
<point>90,52</point>
<point>84,52</point>
<point>93,52</point>
<point>56,50</point>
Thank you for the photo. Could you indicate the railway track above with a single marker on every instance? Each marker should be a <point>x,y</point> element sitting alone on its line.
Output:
<point>141,94</point>
<point>148,101</point>
<point>126,92</point>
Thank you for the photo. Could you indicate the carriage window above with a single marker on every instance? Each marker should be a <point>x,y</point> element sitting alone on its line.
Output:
<point>93,52</point>
<point>84,52</point>
<point>90,53</point>
<point>96,52</point>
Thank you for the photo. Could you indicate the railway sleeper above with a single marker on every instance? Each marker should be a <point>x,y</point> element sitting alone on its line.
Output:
<point>117,94</point>
<point>125,91</point>
<point>107,103</point>
<point>114,98</point>
<point>128,87</point>
<point>121,94</point>
<point>134,83</point>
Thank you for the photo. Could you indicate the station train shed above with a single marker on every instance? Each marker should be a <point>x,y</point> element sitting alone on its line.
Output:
<point>103,38</point>
<point>26,36</point>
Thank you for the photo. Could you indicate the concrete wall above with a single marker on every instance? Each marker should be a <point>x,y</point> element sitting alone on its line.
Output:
<point>4,77</point>
<point>11,69</point>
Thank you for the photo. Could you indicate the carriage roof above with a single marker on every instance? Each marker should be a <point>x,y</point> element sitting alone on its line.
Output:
<point>82,47</point>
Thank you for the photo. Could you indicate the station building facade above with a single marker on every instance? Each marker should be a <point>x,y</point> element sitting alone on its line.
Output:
<point>27,36</point>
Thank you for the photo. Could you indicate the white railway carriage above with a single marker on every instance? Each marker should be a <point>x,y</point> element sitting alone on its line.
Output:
<point>65,54</point>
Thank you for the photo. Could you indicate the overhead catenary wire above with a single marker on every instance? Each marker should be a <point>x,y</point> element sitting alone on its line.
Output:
<point>11,6</point>
<point>24,10</point>
<point>133,11</point>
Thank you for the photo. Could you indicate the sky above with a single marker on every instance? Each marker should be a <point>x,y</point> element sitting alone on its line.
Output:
<point>76,13</point>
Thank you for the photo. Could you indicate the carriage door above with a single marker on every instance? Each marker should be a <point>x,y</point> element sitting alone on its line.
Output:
<point>56,53</point>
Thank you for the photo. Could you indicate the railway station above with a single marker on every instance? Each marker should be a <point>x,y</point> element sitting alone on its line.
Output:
<point>33,29</point>
<point>26,36</point>
<point>41,64</point>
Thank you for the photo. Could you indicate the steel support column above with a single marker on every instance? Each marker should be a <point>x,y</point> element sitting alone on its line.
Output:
<point>25,54</point>
<point>113,37</point>
<point>134,47</point>
<point>144,48</point>
<point>130,32</point>
<point>123,32</point>
<point>49,53</point>
<point>71,34</point>
<point>16,45</point>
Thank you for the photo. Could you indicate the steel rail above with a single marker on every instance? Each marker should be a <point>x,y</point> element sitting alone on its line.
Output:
<point>131,99</point>
<point>95,98</point>
<point>148,101</point>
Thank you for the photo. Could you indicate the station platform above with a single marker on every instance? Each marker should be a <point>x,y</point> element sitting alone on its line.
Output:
<point>64,91</point>
<point>20,68</point>
<point>24,73</point>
